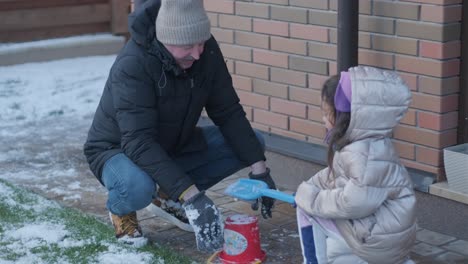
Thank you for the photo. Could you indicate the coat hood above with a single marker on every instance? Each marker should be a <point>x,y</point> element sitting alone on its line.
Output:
<point>379,100</point>
<point>141,23</point>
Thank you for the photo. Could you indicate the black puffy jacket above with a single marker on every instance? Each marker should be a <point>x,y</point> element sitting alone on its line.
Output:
<point>150,107</point>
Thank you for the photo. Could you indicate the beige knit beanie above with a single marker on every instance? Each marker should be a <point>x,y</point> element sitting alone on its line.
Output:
<point>182,22</point>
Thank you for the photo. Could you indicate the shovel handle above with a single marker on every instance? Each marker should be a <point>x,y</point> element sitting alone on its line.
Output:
<point>278,195</point>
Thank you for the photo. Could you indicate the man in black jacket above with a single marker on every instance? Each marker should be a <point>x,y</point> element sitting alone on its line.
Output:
<point>144,137</point>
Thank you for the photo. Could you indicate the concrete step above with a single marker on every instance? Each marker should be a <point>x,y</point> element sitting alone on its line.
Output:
<point>60,48</point>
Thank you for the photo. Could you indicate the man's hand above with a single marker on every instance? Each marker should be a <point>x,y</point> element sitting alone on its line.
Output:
<point>206,221</point>
<point>267,202</point>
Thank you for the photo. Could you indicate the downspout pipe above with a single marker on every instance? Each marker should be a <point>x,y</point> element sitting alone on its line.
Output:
<point>347,27</point>
<point>462,135</point>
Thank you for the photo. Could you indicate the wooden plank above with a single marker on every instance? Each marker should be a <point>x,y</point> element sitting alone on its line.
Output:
<point>53,32</point>
<point>119,14</point>
<point>31,4</point>
<point>56,16</point>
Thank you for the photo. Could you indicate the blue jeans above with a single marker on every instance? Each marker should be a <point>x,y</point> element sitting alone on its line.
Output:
<point>131,189</point>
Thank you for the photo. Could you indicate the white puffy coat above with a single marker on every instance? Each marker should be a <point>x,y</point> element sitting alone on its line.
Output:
<point>369,194</point>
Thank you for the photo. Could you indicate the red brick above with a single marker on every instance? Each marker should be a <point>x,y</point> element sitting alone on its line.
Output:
<point>438,86</point>
<point>219,6</point>
<point>223,35</point>
<point>236,52</point>
<point>271,27</point>
<point>332,68</point>
<point>248,112</point>
<point>441,14</point>
<point>437,122</point>
<point>235,22</point>
<point>289,77</point>
<point>395,44</point>
<point>409,118</point>
<point>289,45</point>
<point>429,156</point>
<point>426,137</point>
<point>410,79</point>
<point>254,100</point>
<point>271,119</point>
<point>322,50</point>
<point>421,166</point>
<point>213,17</point>
<point>427,66</point>
<point>405,150</point>
<point>375,58</point>
<point>316,81</point>
<point>288,134</point>
<point>252,39</point>
<point>275,2</point>
<point>438,50</point>
<point>307,127</point>
<point>231,66</point>
<point>305,95</point>
<point>434,103</point>
<point>309,32</point>
<point>270,88</point>
<point>252,70</point>
<point>241,82</point>
<point>315,114</point>
<point>287,107</point>
<point>435,2</point>
<point>270,58</point>
<point>252,10</point>
<point>260,127</point>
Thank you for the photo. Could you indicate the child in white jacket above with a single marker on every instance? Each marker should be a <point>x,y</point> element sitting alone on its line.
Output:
<point>360,209</point>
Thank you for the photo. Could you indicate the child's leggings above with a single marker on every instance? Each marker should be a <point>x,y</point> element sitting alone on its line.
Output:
<point>321,242</point>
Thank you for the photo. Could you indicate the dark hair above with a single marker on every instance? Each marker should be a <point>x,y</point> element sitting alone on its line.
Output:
<point>336,138</point>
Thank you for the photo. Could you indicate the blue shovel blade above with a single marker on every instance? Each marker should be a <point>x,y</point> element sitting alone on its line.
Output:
<point>248,189</point>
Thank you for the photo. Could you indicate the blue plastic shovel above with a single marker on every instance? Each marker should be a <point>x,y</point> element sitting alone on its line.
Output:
<point>247,189</point>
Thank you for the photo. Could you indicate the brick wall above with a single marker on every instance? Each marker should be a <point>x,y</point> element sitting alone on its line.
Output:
<point>280,51</point>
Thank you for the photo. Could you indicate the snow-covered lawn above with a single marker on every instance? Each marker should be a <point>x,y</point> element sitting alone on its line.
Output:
<point>37,230</point>
<point>46,109</point>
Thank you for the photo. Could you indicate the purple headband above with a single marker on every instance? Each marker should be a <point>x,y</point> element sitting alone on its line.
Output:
<point>343,93</point>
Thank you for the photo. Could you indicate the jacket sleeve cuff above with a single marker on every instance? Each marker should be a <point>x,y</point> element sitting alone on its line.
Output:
<point>305,196</point>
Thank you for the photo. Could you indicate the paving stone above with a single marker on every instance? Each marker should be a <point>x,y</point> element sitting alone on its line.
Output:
<point>433,238</point>
<point>424,249</point>
<point>285,208</point>
<point>450,257</point>
<point>459,246</point>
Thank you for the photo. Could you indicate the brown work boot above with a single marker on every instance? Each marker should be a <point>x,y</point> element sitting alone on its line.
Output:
<point>127,229</point>
<point>170,211</point>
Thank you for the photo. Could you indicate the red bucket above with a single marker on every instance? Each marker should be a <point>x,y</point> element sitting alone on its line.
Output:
<point>241,241</point>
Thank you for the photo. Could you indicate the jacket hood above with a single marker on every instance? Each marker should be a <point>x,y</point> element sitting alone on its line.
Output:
<point>141,23</point>
<point>378,102</point>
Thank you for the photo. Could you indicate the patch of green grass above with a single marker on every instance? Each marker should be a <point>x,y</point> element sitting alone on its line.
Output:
<point>82,238</point>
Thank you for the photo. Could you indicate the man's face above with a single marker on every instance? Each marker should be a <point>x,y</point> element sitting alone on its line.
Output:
<point>186,55</point>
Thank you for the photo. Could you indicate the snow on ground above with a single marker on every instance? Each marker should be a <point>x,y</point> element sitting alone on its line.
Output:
<point>46,111</point>
<point>25,239</point>
<point>69,87</point>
